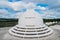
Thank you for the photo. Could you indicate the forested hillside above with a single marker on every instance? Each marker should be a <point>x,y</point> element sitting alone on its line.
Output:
<point>12,22</point>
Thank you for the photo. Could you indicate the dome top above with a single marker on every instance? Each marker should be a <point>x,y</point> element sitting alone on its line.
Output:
<point>33,17</point>
<point>31,13</point>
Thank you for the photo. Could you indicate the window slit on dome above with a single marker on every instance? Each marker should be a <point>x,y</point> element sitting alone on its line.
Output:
<point>30,17</point>
<point>30,25</point>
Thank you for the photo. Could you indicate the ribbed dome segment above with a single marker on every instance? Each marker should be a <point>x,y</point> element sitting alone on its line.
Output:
<point>30,25</point>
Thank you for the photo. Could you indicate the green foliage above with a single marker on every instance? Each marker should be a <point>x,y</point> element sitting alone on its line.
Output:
<point>12,22</point>
<point>51,20</point>
<point>8,22</point>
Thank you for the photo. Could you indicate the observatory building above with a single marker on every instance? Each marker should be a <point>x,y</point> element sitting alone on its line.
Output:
<point>31,27</point>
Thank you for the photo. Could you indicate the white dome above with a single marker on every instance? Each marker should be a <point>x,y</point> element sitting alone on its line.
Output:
<point>30,17</point>
<point>30,25</point>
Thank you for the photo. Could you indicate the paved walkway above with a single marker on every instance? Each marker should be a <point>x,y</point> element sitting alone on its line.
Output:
<point>56,27</point>
<point>3,31</point>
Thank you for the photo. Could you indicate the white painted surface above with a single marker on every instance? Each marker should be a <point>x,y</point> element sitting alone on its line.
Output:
<point>56,27</point>
<point>31,20</point>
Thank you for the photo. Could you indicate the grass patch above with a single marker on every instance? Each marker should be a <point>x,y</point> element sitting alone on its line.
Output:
<point>8,24</point>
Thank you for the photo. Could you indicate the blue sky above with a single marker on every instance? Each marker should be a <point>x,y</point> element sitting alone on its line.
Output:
<point>8,9</point>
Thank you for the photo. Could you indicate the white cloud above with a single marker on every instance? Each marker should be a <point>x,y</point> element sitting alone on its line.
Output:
<point>6,14</point>
<point>35,1</point>
<point>54,5</point>
<point>17,5</point>
<point>3,12</point>
<point>30,5</point>
<point>4,4</point>
<point>3,0</point>
<point>51,14</point>
<point>9,16</point>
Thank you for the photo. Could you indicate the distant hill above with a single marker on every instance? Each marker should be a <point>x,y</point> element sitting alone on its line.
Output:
<point>45,20</point>
<point>52,20</point>
<point>4,22</point>
<point>5,19</point>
